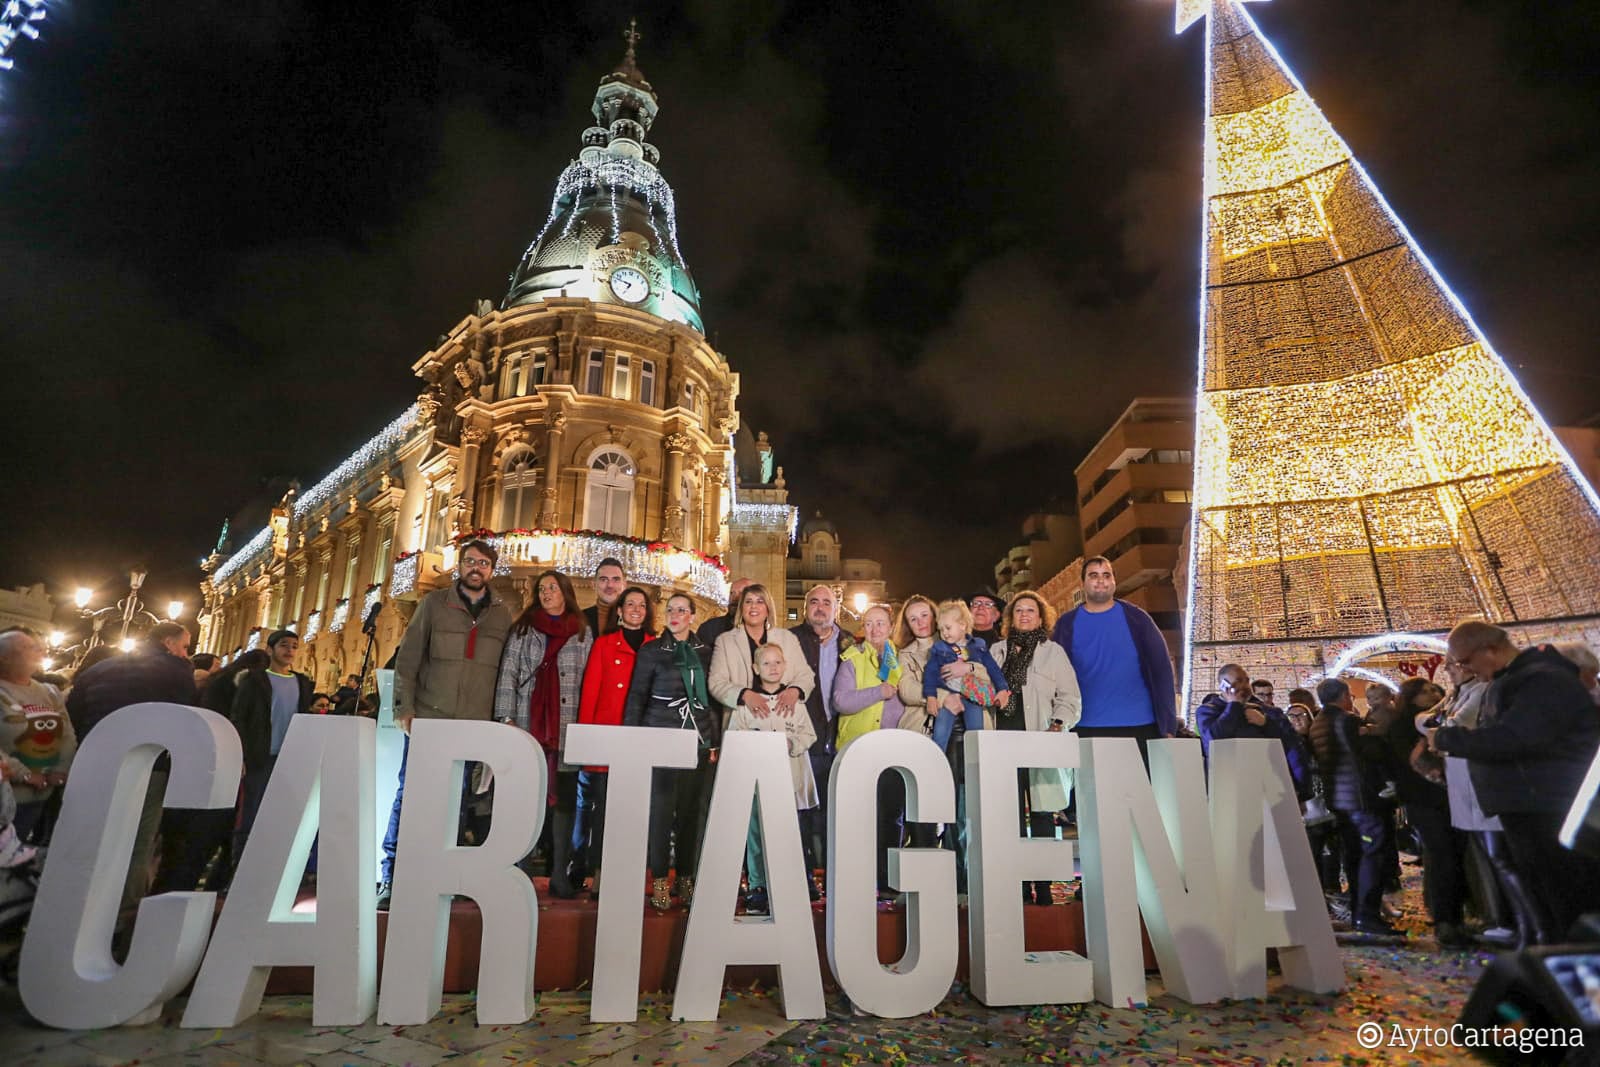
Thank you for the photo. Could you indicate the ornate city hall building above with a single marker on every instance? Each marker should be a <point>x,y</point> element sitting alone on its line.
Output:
<point>587,416</point>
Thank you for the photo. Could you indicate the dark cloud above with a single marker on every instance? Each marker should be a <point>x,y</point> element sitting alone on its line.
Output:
<point>942,244</point>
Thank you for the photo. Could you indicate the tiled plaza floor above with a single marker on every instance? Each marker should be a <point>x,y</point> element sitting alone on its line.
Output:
<point>1411,985</point>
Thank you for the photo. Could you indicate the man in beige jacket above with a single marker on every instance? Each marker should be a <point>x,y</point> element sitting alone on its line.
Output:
<point>446,665</point>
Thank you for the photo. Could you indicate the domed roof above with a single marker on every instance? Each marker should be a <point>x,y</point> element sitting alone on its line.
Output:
<point>818,524</point>
<point>612,232</point>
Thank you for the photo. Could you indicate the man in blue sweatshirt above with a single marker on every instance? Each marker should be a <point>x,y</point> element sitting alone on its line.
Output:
<point>1121,661</point>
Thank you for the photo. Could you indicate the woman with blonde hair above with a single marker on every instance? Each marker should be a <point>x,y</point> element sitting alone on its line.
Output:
<point>734,684</point>
<point>1044,696</point>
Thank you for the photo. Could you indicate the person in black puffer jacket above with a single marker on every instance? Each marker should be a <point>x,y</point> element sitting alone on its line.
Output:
<point>668,691</point>
<point>1527,758</point>
<point>1349,763</point>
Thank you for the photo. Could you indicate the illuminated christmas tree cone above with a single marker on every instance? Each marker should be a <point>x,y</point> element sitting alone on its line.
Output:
<point>1367,470</point>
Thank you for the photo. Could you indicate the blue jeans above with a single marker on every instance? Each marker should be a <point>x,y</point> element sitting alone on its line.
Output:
<point>1365,838</point>
<point>944,723</point>
<point>391,835</point>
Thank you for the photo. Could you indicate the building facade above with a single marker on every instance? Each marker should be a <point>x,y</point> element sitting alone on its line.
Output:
<point>857,582</point>
<point>586,416</point>
<point>1134,490</point>
<point>1049,540</point>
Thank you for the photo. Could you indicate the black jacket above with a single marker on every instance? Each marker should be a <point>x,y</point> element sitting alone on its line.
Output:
<point>1532,755</point>
<point>122,680</point>
<point>1350,762</point>
<point>252,714</point>
<point>1400,737</point>
<point>811,645</point>
<point>656,695</point>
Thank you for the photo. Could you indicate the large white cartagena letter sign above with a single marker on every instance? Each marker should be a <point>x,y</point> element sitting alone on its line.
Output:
<point>323,780</point>
<point>922,977</point>
<point>1272,897</point>
<point>632,753</point>
<point>431,868</point>
<point>999,861</point>
<point>68,976</point>
<point>1148,849</point>
<point>752,761</point>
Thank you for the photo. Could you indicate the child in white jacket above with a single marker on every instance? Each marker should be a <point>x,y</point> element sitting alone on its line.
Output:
<point>769,665</point>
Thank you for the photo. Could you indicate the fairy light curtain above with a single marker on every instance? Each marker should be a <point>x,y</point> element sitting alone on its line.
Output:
<point>1365,463</point>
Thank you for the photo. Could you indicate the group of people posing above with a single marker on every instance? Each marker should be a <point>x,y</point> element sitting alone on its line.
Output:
<point>941,668</point>
<point>1482,776</point>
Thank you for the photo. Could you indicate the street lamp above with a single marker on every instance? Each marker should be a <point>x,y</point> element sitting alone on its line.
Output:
<point>128,644</point>
<point>174,610</point>
<point>81,596</point>
<point>56,637</point>
<point>861,602</point>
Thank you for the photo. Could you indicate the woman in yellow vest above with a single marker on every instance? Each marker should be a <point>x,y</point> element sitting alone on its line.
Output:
<point>866,697</point>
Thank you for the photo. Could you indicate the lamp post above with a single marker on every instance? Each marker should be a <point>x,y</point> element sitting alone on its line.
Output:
<point>130,609</point>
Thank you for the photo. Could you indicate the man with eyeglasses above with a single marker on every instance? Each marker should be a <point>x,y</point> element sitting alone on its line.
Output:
<point>446,665</point>
<point>1528,761</point>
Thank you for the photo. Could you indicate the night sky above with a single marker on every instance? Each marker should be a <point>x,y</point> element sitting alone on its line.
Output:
<point>943,244</point>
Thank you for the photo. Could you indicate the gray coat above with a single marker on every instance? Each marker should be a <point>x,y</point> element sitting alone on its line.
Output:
<point>514,689</point>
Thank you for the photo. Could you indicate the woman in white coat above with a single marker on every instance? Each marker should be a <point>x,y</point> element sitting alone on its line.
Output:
<point>1045,696</point>
<point>733,682</point>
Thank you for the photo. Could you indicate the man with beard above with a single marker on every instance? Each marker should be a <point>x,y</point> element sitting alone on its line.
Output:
<point>446,666</point>
<point>1121,661</point>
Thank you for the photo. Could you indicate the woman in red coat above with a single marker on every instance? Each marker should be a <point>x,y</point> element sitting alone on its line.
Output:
<point>605,690</point>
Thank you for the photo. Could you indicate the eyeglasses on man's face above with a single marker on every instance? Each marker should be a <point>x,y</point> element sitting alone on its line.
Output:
<point>476,564</point>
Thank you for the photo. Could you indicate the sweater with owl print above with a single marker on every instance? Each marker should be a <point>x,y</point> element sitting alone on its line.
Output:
<point>36,736</point>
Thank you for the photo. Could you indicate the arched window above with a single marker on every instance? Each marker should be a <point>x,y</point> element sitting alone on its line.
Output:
<point>519,499</point>
<point>609,503</point>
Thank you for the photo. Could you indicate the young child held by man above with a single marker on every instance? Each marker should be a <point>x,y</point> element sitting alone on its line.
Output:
<point>983,686</point>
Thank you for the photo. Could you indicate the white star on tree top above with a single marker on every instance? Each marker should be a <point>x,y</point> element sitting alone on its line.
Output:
<point>1191,11</point>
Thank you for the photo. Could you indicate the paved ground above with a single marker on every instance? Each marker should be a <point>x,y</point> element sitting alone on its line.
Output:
<point>1413,985</point>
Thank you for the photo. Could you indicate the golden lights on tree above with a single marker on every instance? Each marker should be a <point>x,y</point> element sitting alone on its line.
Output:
<point>1365,462</point>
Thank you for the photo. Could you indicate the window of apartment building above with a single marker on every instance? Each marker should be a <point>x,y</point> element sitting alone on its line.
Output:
<point>352,558</point>
<point>594,373</point>
<point>518,497</point>
<point>608,504</point>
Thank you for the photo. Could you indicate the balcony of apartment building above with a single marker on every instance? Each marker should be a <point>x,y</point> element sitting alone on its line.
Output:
<point>1142,543</point>
<point>1137,483</point>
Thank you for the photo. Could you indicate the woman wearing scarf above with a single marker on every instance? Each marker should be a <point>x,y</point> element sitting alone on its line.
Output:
<point>540,682</point>
<point>866,697</point>
<point>669,691</point>
<point>605,691</point>
<point>1045,696</point>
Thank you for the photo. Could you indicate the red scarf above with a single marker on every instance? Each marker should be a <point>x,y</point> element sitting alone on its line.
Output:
<point>544,704</point>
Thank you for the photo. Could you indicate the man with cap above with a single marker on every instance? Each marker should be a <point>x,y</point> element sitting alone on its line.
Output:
<point>986,610</point>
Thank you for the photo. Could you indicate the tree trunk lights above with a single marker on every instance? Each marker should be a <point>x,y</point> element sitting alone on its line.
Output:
<point>1218,879</point>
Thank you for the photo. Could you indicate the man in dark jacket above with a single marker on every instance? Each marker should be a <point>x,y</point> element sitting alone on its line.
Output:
<point>1234,711</point>
<point>824,643</point>
<point>1349,762</point>
<point>1528,760</point>
<point>986,608</point>
<point>715,628</point>
<point>1121,660</point>
<point>265,702</point>
<point>159,671</point>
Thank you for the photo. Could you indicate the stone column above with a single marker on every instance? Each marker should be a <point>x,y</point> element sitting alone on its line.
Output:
<point>716,478</point>
<point>465,504</point>
<point>676,445</point>
<point>557,420</point>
